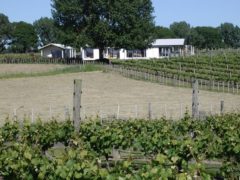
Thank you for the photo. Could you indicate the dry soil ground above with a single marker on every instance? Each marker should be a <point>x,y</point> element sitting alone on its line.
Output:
<point>104,94</point>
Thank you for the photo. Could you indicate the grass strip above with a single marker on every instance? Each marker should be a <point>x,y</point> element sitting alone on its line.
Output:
<point>66,70</point>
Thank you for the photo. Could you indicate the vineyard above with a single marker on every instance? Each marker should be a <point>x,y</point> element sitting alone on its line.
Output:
<point>223,67</point>
<point>133,149</point>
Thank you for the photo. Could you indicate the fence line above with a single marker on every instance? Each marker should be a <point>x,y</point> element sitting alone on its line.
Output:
<point>151,110</point>
<point>178,81</point>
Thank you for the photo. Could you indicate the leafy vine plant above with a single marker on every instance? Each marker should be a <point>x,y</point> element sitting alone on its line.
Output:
<point>133,149</point>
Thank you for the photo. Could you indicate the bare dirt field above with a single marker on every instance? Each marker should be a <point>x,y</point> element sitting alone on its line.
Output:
<point>104,94</point>
<point>27,68</point>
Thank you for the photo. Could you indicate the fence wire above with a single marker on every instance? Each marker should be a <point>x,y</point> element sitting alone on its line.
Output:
<point>151,110</point>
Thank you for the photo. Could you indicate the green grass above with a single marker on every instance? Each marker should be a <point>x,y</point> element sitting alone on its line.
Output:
<point>66,70</point>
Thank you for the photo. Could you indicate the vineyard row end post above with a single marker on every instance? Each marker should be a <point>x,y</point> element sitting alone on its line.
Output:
<point>77,104</point>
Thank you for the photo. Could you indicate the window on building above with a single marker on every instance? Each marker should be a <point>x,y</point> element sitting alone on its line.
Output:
<point>113,53</point>
<point>136,53</point>
<point>166,51</point>
<point>88,53</point>
<point>56,54</point>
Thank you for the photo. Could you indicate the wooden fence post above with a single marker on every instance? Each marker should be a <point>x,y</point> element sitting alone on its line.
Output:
<point>66,113</point>
<point>32,116</point>
<point>181,111</point>
<point>195,104</point>
<point>15,114</point>
<point>77,104</point>
<point>136,111</point>
<point>228,87</point>
<point>50,112</point>
<point>222,107</point>
<point>118,111</point>
<point>149,111</point>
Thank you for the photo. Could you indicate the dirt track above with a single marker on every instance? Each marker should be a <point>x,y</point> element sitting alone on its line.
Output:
<point>102,92</point>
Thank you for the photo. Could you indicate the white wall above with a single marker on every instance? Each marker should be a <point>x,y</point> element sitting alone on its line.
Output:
<point>96,54</point>
<point>152,53</point>
<point>122,54</point>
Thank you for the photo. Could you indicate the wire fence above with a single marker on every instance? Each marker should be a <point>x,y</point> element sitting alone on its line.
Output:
<point>178,81</point>
<point>151,110</point>
<point>22,107</point>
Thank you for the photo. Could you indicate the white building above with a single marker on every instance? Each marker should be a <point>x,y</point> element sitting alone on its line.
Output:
<point>53,50</point>
<point>170,48</point>
<point>160,48</point>
<point>90,54</point>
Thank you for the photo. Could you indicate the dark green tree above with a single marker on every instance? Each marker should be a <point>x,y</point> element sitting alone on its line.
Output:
<point>205,37</point>
<point>196,39</point>
<point>46,30</point>
<point>105,23</point>
<point>181,29</point>
<point>237,34</point>
<point>24,37</point>
<point>5,31</point>
<point>163,32</point>
<point>230,35</point>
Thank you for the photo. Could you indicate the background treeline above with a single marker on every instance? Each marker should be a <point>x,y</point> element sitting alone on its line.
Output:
<point>22,37</point>
<point>226,35</point>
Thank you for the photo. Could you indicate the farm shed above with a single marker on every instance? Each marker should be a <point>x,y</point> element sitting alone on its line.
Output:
<point>170,48</point>
<point>53,50</point>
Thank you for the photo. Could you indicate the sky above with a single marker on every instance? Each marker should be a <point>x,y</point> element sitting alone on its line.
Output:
<point>194,12</point>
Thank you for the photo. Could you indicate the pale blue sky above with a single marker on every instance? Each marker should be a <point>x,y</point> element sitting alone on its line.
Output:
<point>195,12</point>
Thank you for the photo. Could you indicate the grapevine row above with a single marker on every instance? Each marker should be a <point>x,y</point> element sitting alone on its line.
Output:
<point>174,149</point>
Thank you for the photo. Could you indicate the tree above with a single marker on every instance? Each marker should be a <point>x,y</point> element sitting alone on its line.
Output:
<point>5,31</point>
<point>230,34</point>
<point>237,41</point>
<point>46,31</point>
<point>105,23</point>
<point>196,39</point>
<point>24,37</point>
<point>181,29</point>
<point>205,37</point>
<point>163,32</point>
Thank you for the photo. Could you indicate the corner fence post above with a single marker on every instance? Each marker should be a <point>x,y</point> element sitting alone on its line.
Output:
<point>77,104</point>
<point>195,103</point>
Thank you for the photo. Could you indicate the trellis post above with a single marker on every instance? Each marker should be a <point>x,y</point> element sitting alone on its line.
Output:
<point>195,103</point>
<point>149,111</point>
<point>222,107</point>
<point>77,104</point>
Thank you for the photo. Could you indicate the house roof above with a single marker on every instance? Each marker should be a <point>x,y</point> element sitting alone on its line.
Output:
<point>168,42</point>
<point>56,45</point>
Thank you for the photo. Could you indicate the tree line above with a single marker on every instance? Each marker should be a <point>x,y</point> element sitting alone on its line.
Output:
<point>226,35</point>
<point>123,23</point>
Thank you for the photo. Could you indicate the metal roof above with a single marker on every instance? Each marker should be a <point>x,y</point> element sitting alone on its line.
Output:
<point>168,42</point>
<point>56,45</point>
